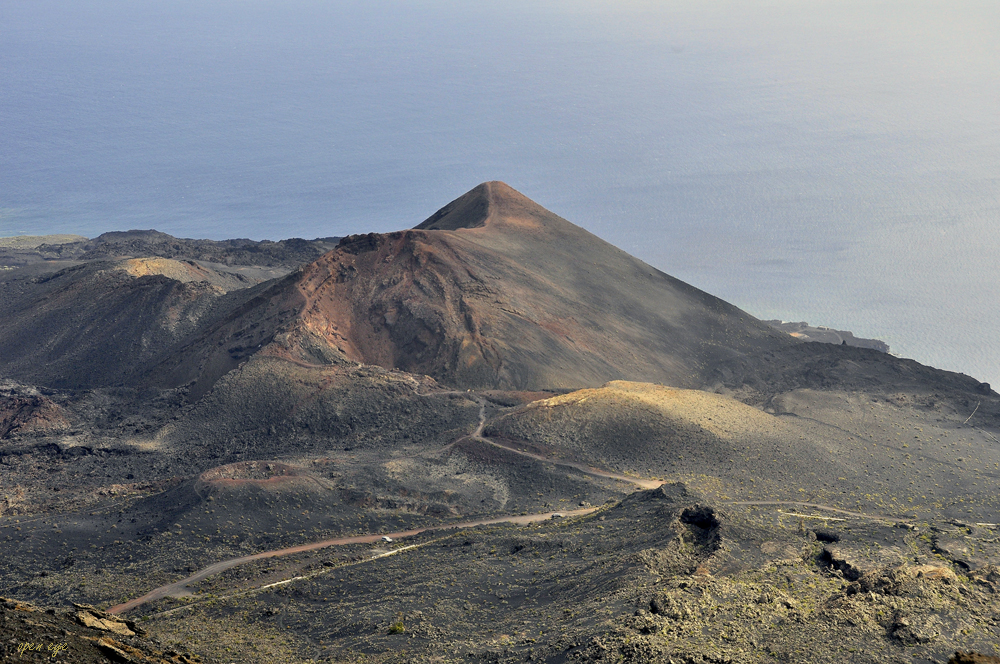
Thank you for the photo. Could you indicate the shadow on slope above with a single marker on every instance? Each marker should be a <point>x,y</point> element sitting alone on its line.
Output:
<point>105,322</point>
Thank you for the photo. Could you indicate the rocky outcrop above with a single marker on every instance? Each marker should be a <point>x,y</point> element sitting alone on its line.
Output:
<point>83,635</point>
<point>94,618</point>
<point>24,409</point>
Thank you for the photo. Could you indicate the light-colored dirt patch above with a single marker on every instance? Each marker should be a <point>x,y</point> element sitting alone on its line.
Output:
<point>260,473</point>
<point>173,269</point>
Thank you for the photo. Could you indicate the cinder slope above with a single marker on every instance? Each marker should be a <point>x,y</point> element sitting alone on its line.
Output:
<point>492,291</point>
<point>662,576</point>
<point>103,322</point>
<point>543,303</point>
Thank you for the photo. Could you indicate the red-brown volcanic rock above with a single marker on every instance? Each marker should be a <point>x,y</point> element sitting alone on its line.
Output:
<point>28,412</point>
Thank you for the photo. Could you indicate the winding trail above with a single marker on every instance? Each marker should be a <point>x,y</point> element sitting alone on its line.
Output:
<point>816,506</point>
<point>182,587</point>
<point>583,468</point>
<point>478,435</point>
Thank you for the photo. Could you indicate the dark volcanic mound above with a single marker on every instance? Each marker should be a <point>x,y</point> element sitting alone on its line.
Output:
<point>24,409</point>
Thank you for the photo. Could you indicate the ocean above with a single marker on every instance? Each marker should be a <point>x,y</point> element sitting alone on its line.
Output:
<point>834,161</point>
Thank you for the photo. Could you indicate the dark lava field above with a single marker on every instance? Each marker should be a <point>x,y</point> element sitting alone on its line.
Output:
<point>490,438</point>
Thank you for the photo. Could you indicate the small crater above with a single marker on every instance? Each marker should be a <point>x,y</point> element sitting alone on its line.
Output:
<point>702,527</point>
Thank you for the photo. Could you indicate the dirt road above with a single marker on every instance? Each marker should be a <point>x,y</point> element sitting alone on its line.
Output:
<point>182,587</point>
<point>583,468</point>
<point>589,470</point>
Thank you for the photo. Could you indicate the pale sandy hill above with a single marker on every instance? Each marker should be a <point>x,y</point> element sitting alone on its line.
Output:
<point>683,409</point>
<point>186,271</point>
<point>631,425</point>
<point>657,431</point>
